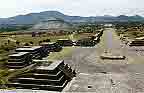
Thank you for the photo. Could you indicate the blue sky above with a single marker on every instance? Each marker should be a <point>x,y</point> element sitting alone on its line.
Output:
<point>10,8</point>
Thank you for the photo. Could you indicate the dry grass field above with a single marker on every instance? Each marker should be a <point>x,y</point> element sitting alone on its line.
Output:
<point>66,51</point>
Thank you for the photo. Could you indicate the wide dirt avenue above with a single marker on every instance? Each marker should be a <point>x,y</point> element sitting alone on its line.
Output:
<point>107,76</point>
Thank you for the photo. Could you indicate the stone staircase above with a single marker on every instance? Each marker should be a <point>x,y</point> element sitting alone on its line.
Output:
<point>53,77</point>
<point>19,60</point>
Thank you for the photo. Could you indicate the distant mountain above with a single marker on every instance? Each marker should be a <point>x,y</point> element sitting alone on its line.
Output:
<point>136,18</point>
<point>52,23</point>
<point>34,18</point>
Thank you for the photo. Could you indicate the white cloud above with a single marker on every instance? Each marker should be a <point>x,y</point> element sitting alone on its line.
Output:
<point>72,7</point>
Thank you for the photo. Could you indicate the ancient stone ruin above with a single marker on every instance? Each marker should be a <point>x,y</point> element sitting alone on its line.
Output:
<point>137,43</point>
<point>51,76</point>
<point>51,46</point>
<point>112,56</point>
<point>35,51</point>
<point>24,56</point>
<point>19,60</point>
<point>65,42</point>
<point>89,41</point>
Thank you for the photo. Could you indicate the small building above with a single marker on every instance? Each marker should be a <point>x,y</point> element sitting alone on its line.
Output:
<point>85,42</point>
<point>19,60</point>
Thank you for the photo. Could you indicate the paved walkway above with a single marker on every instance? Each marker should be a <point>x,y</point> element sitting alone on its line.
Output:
<point>106,76</point>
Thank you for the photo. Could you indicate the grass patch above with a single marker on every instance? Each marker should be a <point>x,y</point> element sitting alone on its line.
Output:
<point>3,77</point>
<point>66,51</point>
<point>82,35</point>
<point>35,40</point>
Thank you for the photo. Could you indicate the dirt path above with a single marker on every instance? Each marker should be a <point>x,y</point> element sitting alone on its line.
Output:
<point>105,76</point>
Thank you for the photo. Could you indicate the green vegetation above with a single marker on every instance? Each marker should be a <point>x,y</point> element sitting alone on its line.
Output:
<point>12,39</point>
<point>130,30</point>
<point>60,55</point>
<point>7,45</point>
<point>15,28</point>
<point>5,75</point>
<point>4,51</point>
<point>82,35</point>
<point>36,40</point>
<point>88,28</point>
<point>5,48</point>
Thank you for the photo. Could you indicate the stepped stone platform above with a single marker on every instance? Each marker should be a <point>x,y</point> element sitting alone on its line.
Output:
<point>97,40</point>
<point>35,51</point>
<point>89,41</point>
<point>111,56</point>
<point>98,36</point>
<point>85,42</point>
<point>137,43</point>
<point>24,56</point>
<point>65,42</point>
<point>19,60</point>
<point>51,46</point>
<point>52,76</point>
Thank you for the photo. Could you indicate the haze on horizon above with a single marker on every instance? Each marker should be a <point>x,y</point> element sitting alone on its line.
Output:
<point>9,8</point>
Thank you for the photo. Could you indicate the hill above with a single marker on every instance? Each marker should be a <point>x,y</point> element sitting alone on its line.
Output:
<point>52,23</point>
<point>34,18</point>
